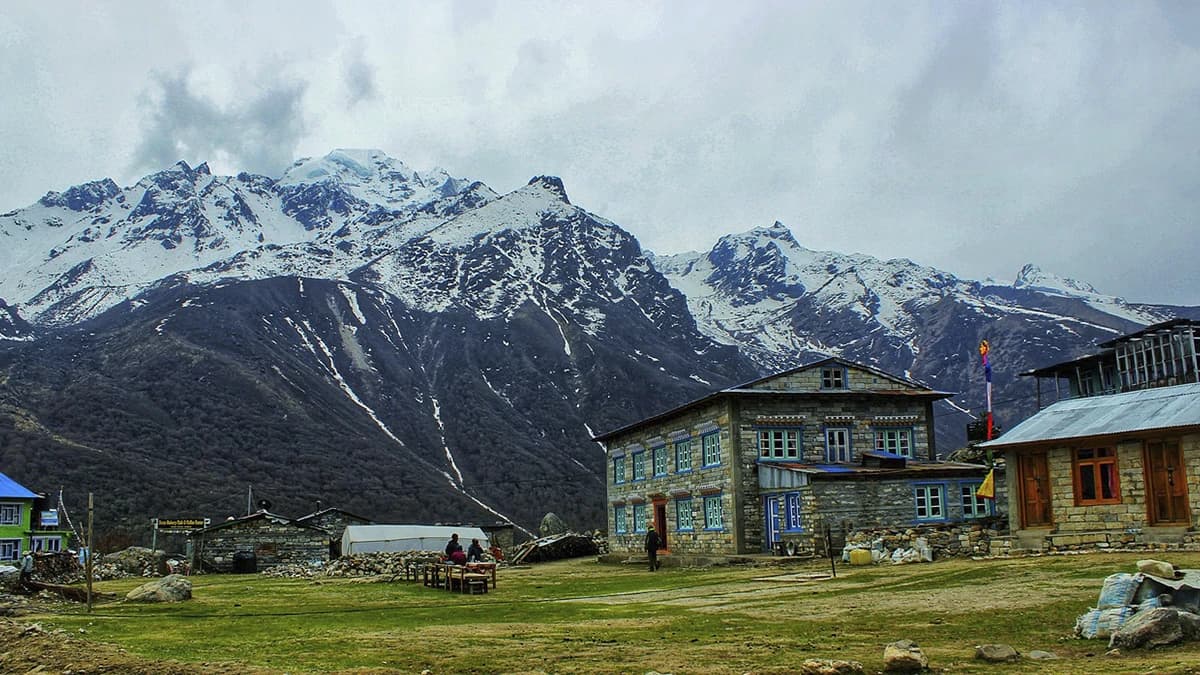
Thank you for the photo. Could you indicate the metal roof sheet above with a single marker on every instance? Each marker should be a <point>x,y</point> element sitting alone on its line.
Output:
<point>1124,413</point>
<point>11,489</point>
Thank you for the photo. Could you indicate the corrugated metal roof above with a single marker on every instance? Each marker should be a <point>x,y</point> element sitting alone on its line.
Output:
<point>1125,413</point>
<point>11,489</point>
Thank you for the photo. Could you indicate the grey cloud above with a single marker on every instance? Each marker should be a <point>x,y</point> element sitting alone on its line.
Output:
<point>359,78</point>
<point>258,134</point>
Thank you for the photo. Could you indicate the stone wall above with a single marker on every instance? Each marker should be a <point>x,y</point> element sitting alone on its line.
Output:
<point>1120,524</point>
<point>957,540</point>
<point>273,542</point>
<point>697,483</point>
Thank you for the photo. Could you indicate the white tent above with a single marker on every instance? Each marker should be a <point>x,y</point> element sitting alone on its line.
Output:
<point>375,538</point>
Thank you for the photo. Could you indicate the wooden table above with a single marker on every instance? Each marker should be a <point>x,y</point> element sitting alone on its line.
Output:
<point>488,568</point>
<point>463,575</point>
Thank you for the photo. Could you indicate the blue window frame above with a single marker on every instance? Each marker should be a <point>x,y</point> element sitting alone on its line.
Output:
<point>779,443</point>
<point>930,501</point>
<point>638,459</point>
<point>711,444</point>
<point>714,513</point>
<point>10,549</point>
<point>10,513</point>
<point>639,517</point>
<point>896,440</point>
<point>837,445</point>
<point>833,377</point>
<point>683,515</point>
<point>660,460</point>
<point>683,455</point>
<point>620,525</point>
<point>619,469</point>
<point>972,506</point>
<point>792,515</point>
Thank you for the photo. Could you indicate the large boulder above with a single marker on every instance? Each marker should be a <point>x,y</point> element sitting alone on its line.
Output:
<point>551,525</point>
<point>904,656</point>
<point>1157,627</point>
<point>171,588</point>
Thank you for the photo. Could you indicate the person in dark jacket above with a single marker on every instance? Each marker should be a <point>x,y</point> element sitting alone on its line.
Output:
<point>474,552</point>
<point>652,544</point>
<point>453,545</point>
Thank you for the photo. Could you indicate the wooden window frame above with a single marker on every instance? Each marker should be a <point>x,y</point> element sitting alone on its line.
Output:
<point>1108,458</point>
<point>683,448</point>
<point>620,524</point>
<point>881,440</point>
<point>834,379</point>
<point>683,506</point>
<point>619,470</point>
<point>788,446</point>
<point>659,453</point>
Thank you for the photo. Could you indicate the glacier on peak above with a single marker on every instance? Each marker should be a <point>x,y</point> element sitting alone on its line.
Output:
<point>1032,277</point>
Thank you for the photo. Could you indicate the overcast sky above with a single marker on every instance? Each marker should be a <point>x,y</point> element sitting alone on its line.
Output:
<point>970,136</point>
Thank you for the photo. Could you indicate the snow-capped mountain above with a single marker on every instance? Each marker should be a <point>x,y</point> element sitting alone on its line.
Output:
<point>75,254</point>
<point>411,345</point>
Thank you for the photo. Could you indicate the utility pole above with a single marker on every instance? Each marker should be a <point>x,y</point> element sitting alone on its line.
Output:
<point>89,553</point>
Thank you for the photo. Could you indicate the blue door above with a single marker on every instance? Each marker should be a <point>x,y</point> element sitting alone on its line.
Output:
<point>773,523</point>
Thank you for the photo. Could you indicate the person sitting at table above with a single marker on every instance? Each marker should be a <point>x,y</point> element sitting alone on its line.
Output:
<point>453,545</point>
<point>458,557</point>
<point>474,552</point>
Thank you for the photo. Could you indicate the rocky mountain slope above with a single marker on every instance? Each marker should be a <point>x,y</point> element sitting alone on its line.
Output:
<point>416,347</point>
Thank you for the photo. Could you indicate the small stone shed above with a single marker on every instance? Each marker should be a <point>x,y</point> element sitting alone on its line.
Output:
<point>333,521</point>
<point>266,539</point>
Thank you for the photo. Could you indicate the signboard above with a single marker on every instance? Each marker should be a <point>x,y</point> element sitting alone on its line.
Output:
<point>179,524</point>
<point>49,518</point>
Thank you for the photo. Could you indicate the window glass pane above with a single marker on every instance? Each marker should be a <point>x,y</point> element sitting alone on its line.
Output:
<point>1108,481</point>
<point>618,469</point>
<point>639,517</point>
<point>1087,481</point>
<point>660,461</point>
<point>619,519</point>
<point>639,465</point>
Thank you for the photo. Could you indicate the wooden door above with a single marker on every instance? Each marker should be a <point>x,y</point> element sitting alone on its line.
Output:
<point>660,523</point>
<point>1034,481</point>
<point>1166,484</point>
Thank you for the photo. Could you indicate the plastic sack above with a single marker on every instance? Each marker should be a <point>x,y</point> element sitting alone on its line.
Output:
<point>1102,623</point>
<point>1118,590</point>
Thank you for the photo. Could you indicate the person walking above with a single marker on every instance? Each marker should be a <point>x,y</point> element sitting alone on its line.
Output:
<point>26,569</point>
<point>652,543</point>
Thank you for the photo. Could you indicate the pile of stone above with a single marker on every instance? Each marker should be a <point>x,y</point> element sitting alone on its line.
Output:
<point>392,563</point>
<point>295,571</point>
<point>926,543</point>
<point>1157,606</point>
<point>135,561</point>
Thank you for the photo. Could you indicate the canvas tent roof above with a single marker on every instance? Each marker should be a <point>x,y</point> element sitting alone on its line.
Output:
<point>375,538</point>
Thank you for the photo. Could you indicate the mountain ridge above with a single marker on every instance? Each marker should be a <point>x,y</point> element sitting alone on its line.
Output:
<point>445,352</point>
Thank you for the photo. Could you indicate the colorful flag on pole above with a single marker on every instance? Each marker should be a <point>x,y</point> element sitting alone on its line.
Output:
<point>987,489</point>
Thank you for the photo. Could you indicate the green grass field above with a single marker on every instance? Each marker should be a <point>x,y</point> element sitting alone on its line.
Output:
<point>581,616</point>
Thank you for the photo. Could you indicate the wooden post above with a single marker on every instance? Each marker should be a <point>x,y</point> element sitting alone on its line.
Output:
<point>89,553</point>
<point>829,547</point>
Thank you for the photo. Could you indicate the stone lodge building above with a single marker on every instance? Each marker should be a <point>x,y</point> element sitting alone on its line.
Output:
<point>1115,461</point>
<point>767,465</point>
<point>264,539</point>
